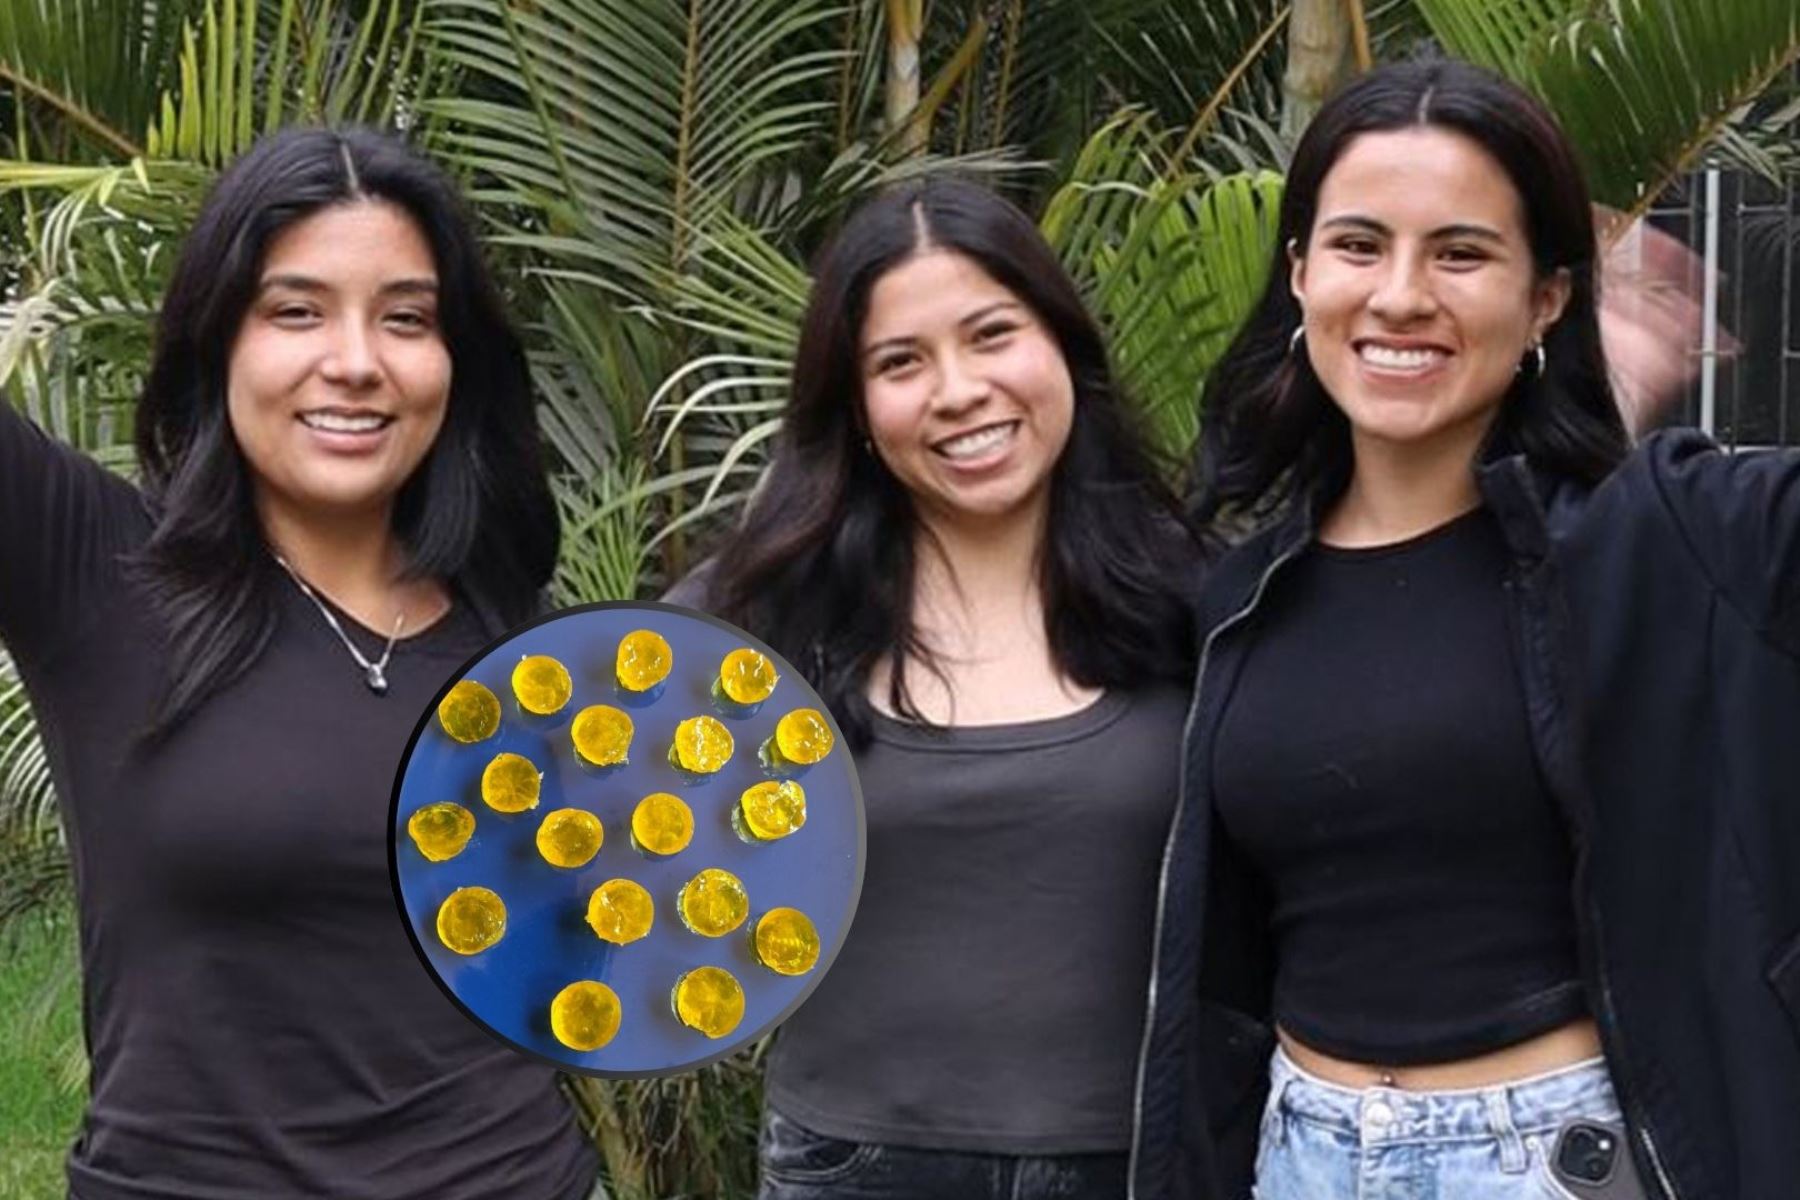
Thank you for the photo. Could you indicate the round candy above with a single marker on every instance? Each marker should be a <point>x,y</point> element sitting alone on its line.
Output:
<point>620,911</point>
<point>786,942</point>
<point>747,677</point>
<point>469,712</point>
<point>662,824</point>
<point>772,809</point>
<point>602,735</point>
<point>585,1015</point>
<point>643,660</point>
<point>803,736</point>
<point>510,783</point>
<point>441,830</point>
<point>702,744</point>
<point>710,1000</point>
<point>471,920</point>
<point>569,837</point>
<point>541,684</point>
<point>713,903</point>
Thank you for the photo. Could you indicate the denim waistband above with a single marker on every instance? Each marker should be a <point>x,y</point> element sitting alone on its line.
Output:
<point>1391,1115</point>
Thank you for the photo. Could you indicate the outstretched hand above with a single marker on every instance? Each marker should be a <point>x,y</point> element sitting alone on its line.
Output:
<point>1651,287</point>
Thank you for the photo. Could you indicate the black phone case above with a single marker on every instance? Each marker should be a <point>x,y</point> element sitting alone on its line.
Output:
<point>1622,1184</point>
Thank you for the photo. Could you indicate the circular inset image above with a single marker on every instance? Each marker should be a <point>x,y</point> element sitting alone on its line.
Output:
<point>629,868</point>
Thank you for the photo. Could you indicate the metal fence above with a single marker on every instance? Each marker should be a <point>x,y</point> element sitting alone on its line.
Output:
<point>1747,230</point>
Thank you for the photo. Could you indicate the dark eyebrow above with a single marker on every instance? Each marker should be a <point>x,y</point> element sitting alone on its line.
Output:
<point>410,286</point>
<point>1371,225</point>
<point>974,318</point>
<point>982,314</point>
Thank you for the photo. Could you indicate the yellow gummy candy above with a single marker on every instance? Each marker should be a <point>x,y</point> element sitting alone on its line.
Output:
<point>803,736</point>
<point>702,744</point>
<point>469,712</point>
<point>786,942</point>
<point>441,830</point>
<point>710,1000</point>
<point>569,837</point>
<point>602,735</point>
<point>585,1015</point>
<point>662,824</point>
<point>643,660</point>
<point>772,809</point>
<point>471,919</point>
<point>541,684</point>
<point>747,677</point>
<point>620,911</point>
<point>713,903</point>
<point>510,783</point>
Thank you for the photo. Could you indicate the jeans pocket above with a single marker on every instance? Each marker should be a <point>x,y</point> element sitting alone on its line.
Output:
<point>792,1153</point>
<point>1541,1176</point>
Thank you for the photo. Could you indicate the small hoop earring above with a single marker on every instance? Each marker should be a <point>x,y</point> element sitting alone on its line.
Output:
<point>1538,360</point>
<point>868,447</point>
<point>1295,338</point>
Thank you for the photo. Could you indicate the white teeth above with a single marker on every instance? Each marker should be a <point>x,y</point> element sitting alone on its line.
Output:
<point>341,423</point>
<point>1394,358</point>
<point>973,445</point>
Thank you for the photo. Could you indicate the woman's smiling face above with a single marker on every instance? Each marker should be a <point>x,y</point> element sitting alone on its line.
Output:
<point>966,393</point>
<point>1419,289</point>
<point>339,378</point>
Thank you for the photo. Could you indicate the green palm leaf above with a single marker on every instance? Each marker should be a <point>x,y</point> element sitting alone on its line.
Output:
<point>628,125</point>
<point>90,90</point>
<point>1170,264</point>
<point>1643,87</point>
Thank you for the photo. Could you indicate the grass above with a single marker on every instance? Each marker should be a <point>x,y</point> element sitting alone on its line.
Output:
<point>40,1005</point>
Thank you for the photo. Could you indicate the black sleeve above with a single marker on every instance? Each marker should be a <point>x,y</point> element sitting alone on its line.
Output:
<point>64,520</point>
<point>1740,517</point>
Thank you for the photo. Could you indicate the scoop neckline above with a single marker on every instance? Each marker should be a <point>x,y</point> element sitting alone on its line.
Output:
<point>1092,717</point>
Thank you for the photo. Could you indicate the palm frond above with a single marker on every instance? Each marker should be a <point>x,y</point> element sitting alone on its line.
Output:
<point>34,862</point>
<point>91,91</point>
<point>1643,87</point>
<point>606,543</point>
<point>627,125</point>
<point>321,62</point>
<point>1170,264</point>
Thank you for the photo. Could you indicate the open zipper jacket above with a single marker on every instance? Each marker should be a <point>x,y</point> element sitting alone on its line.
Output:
<point>1657,628</point>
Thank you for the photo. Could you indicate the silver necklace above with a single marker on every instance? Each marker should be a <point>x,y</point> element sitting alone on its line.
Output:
<point>374,673</point>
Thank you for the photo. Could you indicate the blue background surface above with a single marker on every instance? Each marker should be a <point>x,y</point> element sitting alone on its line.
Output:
<point>548,943</point>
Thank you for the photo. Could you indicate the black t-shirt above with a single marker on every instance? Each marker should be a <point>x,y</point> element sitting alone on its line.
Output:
<point>256,1020</point>
<point>990,996</point>
<point>1375,763</point>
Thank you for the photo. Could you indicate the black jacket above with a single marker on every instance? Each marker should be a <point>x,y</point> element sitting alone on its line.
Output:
<point>1657,620</point>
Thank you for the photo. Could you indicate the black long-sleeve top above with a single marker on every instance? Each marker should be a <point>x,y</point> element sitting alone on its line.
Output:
<point>257,1023</point>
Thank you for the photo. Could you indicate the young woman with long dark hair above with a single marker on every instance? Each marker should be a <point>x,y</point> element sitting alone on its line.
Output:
<point>964,544</point>
<point>340,501</point>
<point>1481,884</point>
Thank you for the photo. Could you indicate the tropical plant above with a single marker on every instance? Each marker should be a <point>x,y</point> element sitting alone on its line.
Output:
<point>653,175</point>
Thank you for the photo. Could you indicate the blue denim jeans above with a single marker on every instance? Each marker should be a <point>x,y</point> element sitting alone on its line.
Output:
<point>798,1164</point>
<point>1381,1143</point>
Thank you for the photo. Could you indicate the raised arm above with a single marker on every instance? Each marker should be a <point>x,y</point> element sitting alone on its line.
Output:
<point>64,520</point>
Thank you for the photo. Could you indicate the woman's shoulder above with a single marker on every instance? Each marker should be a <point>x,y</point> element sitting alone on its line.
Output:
<point>1235,556</point>
<point>1728,517</point>
<point>694,589</point>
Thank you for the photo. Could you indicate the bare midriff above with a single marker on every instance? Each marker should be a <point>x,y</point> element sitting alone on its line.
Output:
<point>1578,1041</point>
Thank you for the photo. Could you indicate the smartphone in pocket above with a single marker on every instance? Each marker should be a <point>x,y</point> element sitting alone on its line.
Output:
<point>1592,1161</point>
